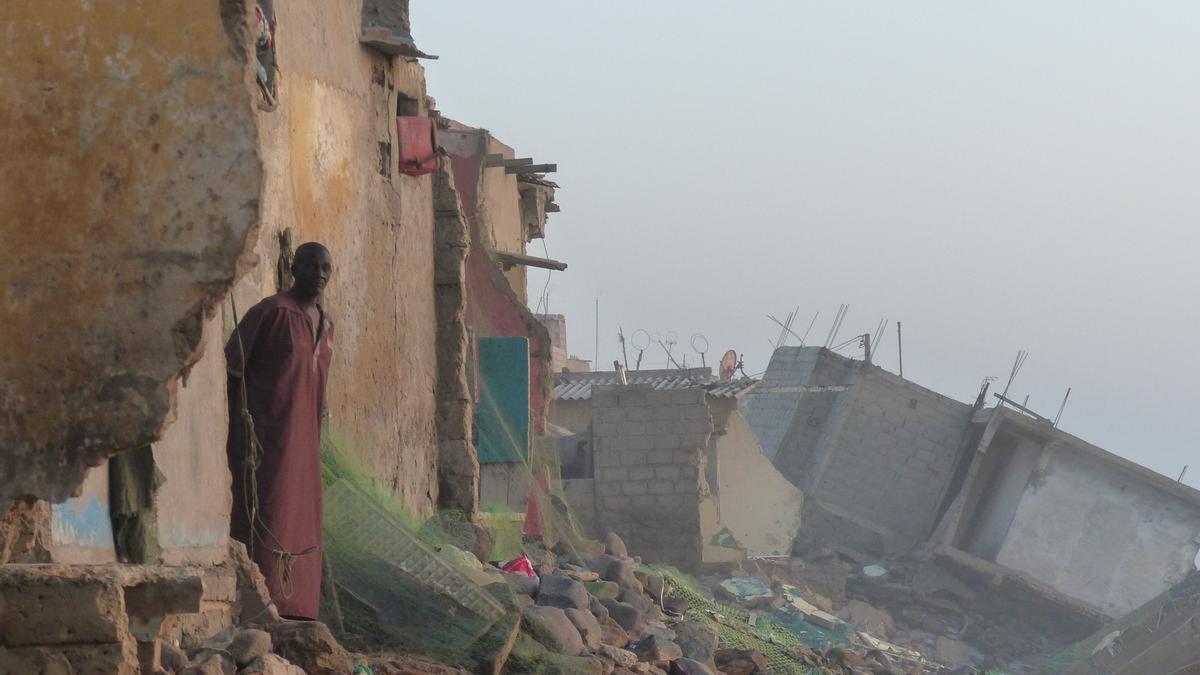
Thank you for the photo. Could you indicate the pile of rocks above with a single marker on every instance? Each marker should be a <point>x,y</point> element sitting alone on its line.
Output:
<point>278,648</point>
<point>597,603</point>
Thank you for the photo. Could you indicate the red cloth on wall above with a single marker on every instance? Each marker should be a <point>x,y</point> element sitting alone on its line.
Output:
<point>418,145</point>
<point>285,373</point>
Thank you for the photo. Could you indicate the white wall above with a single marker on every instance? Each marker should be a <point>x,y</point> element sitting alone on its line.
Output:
<point>1099,534</point>
<point>757,504</point>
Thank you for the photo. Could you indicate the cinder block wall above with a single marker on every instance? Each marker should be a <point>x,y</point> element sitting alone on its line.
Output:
<point>649,458</point>
<point>893,455</point>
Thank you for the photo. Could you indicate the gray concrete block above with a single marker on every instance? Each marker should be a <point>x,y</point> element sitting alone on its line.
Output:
<point>613,474</point>
<point>634,488</point>
<point>641,473</point>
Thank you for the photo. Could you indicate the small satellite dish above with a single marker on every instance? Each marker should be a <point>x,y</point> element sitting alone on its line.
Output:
<point>729,364</point>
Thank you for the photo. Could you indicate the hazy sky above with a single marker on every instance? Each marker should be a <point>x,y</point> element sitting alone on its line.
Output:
<point>998,176</point>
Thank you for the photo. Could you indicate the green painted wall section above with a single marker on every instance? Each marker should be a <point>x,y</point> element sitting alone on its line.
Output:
<point>502,415</point>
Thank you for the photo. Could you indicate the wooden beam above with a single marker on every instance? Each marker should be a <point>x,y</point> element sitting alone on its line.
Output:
<point>493,159</point>
<point>531,168</point>
<point>508,260</point>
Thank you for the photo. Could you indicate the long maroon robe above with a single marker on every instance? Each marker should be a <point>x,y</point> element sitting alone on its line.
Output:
<point>285,374</point>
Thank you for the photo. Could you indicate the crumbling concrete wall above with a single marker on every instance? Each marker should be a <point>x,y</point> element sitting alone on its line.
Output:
<point>1099,534</point>
<point>758,506</point>
<point>649,449</point>
<point>894,456</point>
<point>129,159</point>
<point>556,325</point>
<point>495,308</point>
<point>458,461</point>
<point>873,452</point>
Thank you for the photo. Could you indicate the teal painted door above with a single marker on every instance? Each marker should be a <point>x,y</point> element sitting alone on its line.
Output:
<point>502,411</point>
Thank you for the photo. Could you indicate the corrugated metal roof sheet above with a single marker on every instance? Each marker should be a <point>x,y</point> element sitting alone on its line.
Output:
<point>578,386</point>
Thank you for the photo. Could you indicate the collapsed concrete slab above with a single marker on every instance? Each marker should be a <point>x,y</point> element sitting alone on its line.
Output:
<point>874,453</point>
<point>1053,508</point>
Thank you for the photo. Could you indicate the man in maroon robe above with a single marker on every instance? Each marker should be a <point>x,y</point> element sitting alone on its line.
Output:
<point>278,360</point>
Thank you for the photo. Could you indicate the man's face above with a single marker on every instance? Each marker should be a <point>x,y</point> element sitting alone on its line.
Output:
<point>311,272</point>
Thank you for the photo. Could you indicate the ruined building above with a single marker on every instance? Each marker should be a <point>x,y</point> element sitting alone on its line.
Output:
<point>667,461</point>
<point>890,467</point>
<point>161,162</point>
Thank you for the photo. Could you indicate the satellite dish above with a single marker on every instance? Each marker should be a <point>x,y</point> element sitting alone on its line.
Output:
<point>728,365</point>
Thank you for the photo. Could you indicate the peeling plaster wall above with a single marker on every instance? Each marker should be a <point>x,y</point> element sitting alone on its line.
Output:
<point>495,308</point>
<point>1099,534</point>
<point>500,212</point>
<point>321,148</point>
<point>192,504</point>
<point>131,180</point>
<point>760,508</point>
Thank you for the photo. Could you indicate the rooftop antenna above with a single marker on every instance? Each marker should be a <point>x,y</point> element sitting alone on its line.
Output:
<point>639,345</point>
<point>1017,364</point>
<point>833,326</point>
<point>787,329</point>
<point>1064,405</point>
<point>667,348</point>
<point>810,327</point>
<point>866,343</point>
<point>837,323</point>
<point>783,330</point>
<point>1182,474</point>
<point>621,339</point>
<point>700,350</point>
<point>900,348</point>
<point>879,332</point>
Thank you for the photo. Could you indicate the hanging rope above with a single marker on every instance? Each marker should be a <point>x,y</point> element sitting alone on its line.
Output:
<point>250,464</point>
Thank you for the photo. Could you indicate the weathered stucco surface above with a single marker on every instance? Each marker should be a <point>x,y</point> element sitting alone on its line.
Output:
<point>325,182</point>
<point>760,507</point>
<point>130,179</point>
<point>194,499</point>
<point>1100,535</point>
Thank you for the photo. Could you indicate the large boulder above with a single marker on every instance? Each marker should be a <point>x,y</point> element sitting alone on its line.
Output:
<point>629,617</point>
<point>615,545</point>
<point>637,599</point>
<point>604,590</point>
<point>271,664</point>
<point>622,658</point>
<point>612,633</point>
<point>742,662</point>
<point>248,645</point>
<point>587,625</point>
<point>622,572</point>
<point>686,666</point>
<point>597,607</point>
<point>310,645</point>
<point>564,592</point>
<point>521,584</point>
<point>551,627</point>
<point>655,649</point>
<point>699,641</point>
